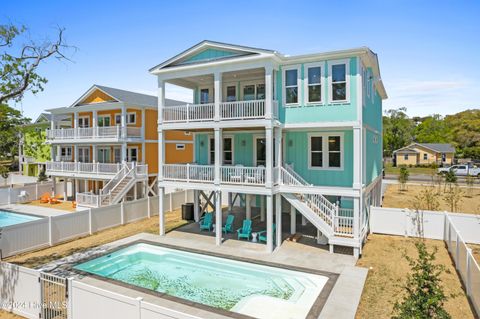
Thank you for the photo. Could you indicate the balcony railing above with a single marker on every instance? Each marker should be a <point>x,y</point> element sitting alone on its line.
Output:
<point>99,132</point>
<point>84,168</point>
<point>238,110</point>
<point>189,173</point>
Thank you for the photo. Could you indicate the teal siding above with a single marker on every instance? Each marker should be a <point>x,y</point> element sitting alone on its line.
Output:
<point>296,153</point>
<point>372,109</point>
<point>243,149</point>
<point>374,163</point>
<point>201,149</point>
<point>208,55</point>
<point>326,112</point>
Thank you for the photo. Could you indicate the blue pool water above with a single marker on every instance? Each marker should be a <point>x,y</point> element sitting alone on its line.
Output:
<point>8,218</point>
<point>251,289</point>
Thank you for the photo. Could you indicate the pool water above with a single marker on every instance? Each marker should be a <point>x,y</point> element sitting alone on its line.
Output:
<point>251,289</point>
<point>8,218</point>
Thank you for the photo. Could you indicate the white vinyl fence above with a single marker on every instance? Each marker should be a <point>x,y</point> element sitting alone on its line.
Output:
<point>11,195</point>
<point>455,229</point>
<point>52,230</point>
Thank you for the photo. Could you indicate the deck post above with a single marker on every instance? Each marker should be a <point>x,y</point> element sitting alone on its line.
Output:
<point>268,157</point>
<point>248,206</point>
<point>230,201</point>
<point>161,211</point>
<point>218,218</point>
<point>304,221</point>
<point>262,208</point>
<point>278,219</point>
<point>196,200</point>
<point>293,220</point>
<point>218,139</point>
<point>269,223</point>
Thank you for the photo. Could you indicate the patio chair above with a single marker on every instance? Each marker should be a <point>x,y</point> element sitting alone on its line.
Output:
<point>23,196</point>
<point>228,224</point>
<point>45,198</point>
<point>262,235</point>
<point>206,222</point>
<point>237,174</point>
<point>56,199</point>
<point>246,229</point>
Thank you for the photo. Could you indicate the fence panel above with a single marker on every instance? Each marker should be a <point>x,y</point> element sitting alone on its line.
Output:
<point>475,284</point>
<point>25,236</point>
<point>106,217</point>
<point>135,210</point>
<point>178,198</point>
<point>69,226</point>
<point>20,290</point>
<point>154,206</point>
<point>462,260</point>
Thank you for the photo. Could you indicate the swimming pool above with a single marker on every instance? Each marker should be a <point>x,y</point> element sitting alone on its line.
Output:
<point>246,288</point>
<point>8,218</point>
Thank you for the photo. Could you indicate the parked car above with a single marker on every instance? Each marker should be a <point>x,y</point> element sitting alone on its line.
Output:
<point>461,170</point>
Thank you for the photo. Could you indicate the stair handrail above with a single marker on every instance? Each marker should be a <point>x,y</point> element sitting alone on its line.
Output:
<point>115,179</point>
<point>131,173</point>
<point>287,169</point>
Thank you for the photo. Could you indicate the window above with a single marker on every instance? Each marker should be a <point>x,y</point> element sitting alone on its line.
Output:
<point>339,81</point>
<point>117,155</point>
<point>291,86</point>
<point>132,118</point>
<point>103,154</point>
<point>316,151</point>
<point>313,82</point>
<point>118,119</point>
<point>84,154</point>
<point>231,93</point>
<point>249,92</point>
<point>405,157</point>
<point>227,151</point>
<point>103,120</point>
<point>204,96</point>
<point>253,91</point>
<point>132,154</point>
<point>325,151</point>
<point>84,121</point>
<point>260,156</point>
<point>180,147</point>
<point>260,91</point>
<point>66,151</point>
<point>425,156</point>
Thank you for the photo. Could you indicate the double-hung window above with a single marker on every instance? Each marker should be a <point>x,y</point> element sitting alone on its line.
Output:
<point>291,96</point>
<point>314,82</point>
<point>132,118</point>
<point>325,151</point>
<point>339,81</point>
<point>103,120</point>
<point>227,151</point>
<point>118,119</point>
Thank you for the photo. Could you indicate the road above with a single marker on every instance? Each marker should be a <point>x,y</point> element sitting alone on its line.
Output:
<point>424,178</point>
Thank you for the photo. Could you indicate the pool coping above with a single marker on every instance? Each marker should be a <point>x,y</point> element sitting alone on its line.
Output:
<point>313,313</point>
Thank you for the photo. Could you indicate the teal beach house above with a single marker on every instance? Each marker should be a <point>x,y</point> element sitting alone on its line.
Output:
<point>296,136</point>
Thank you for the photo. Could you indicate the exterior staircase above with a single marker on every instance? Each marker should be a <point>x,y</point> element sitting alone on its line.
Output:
<point>316,208</point>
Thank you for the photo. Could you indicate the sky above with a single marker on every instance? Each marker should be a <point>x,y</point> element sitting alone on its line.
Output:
<point>428,50</point>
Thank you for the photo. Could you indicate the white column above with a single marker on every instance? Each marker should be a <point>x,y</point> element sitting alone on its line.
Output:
<point>135,190</point>
<point>248,206</point>
<point>262,208</point>
<point>94,122</point>
<point>278,219</point>
<point>65,190</point>
<point>59,151</point>
<point>269,223</point>
<point>54,185</point>
<point>357,158</point>
<point>20,154</point>
<point>217,88</point>
<point>218,153</point>
<point>76,189</point>
<point>75,153</point>
<point>161,211</point>
<point>161,100</point>
<point>357,206</point>
<point>143,125</point>
<point>293,220</point>
<point>278,149</point>
<point>196,203</point>
<point>52,122</point>
<point>94,153</point>
<point>218,218</point>
<point>123,122</point>
<point>161,154</point>
<point>268,91</point>
<point>124,152</point>
<point>268,157</point>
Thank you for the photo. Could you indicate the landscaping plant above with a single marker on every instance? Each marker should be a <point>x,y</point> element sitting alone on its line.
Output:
<point>427,199</point>
<point>403,178</point>
<point>42,177</point>
<point>453,198</point>
<point>450,179</point>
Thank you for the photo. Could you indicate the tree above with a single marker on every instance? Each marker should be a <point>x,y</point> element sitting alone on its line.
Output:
<point>397,130</point>
<point>427,199</point>
<point>11,121</point>
<point>465,132</point>
<point>433,129</point>
<point>403,178</point>
<point>450,178</point>
<point>19,62</point>
<point>42,177</point>
<point>4,173</point>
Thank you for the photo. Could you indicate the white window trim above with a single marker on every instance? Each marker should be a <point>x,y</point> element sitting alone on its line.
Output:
<point>321,65</point>
<point>84,150</point>
<point>83,117</point>
<point>129,148</point>
<point>68,151</point>
<point>117,148</point>
<point>224,91</point>
<point>180,147</point>
<point>115,119</point>
<point>325,151</point>
<point>233,149</point>
<point>128,118</point>
<point>347,80</point>
<point>255,83</point>
<point>255,138</point>
<point>299,83</point>
<point>104,116</point>
<point>211,94</point>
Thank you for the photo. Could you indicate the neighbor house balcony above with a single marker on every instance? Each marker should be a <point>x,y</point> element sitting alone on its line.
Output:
<point>81,169</point>
<point>234,175</point>
<point>229,111</point>
<point>99,133</point>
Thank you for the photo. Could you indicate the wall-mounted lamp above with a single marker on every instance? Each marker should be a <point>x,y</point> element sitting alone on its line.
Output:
<point>201,143</point>
<point>244,143</point>
<point>290,143</point>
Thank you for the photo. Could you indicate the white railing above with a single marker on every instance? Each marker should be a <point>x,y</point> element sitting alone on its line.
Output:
<point>98,132</point>
<point>189,113</point>
<point>344,222</point>
<point>242,175</point>
<point>242,110</point>
<point>291,178</point>
<point>88,200</point>
<point>189,173</point>
<point>85,168</point>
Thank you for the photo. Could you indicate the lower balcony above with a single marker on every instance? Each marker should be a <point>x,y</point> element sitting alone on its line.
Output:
<point>236,175</point>
<point>80,169</point>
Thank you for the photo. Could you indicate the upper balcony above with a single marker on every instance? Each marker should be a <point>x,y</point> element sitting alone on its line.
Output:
<point>92,134</point>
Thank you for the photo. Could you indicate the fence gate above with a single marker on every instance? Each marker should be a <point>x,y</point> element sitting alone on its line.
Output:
<point>54,294</point>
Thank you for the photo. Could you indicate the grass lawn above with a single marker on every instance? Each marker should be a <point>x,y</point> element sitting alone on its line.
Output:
<point>405,199</point>
<point>412,170</point>
<point>383,255</point>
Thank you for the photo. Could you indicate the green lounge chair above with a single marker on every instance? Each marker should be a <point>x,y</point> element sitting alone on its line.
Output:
<point>228,224</point>
<point>206,222</point>
<point>262,235</point>
<point>246,229</point>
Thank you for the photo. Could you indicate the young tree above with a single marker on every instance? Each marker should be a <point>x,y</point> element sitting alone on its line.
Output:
<point>427,199</point>
<point>453,198</point>
<point>450,179</point>
<point>42,177</point>
<point>403,178</point>
<point>470,180</point>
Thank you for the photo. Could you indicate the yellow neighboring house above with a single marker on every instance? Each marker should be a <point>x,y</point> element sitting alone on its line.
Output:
<point>424,154</point>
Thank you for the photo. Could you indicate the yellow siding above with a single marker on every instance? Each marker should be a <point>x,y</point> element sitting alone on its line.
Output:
<point>151,156</point>
<point>412,159</point>
<point>97,96</point>
<point>178,135</point>
<point>174,156</point>
<point>151,125</point>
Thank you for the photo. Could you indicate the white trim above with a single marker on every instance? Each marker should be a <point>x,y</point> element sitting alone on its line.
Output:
<point>255,138</point>
<point>325,150</point>
<point>211,94</point>
<point>347,81</point>
<point>115,119</point>
<point>299,83</point>
<point>83,117</point>
<point>129,155</point>
<point>104,116</point>
<point>178,141</point>
<point>210,137</point>
<point>128,118</point>
<point>321,65</point>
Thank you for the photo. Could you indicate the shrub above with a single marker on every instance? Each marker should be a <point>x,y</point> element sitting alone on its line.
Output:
<point>403,177</point>
<point>42,177</point>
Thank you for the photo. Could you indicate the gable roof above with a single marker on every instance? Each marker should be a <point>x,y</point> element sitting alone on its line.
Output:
<point>406,150</point>
<point>438,147</point>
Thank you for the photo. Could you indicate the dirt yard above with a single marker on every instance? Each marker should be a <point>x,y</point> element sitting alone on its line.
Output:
<point>383,255</point>
<point>404,199</point>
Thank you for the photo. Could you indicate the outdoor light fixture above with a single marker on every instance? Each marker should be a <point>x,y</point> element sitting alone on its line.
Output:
<point>290,143</point>
<point>243,143</point>
<point>201,143</point>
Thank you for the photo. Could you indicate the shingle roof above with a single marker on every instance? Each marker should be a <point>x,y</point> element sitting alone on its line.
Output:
<point>406,150</point>
<point>439,147</point>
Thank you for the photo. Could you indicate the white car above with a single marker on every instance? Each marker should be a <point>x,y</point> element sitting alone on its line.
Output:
<point>461,170</point>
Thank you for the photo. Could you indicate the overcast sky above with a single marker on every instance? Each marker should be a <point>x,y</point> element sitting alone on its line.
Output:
<point>428,50</point>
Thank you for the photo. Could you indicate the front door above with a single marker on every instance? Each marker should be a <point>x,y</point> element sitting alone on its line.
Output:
<point>83,122</point>
<point>117,155</point>
<point>104,155</point>
<point>84,154</point>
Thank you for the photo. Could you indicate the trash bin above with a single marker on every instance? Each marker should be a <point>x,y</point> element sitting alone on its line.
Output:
<point>187,211</point>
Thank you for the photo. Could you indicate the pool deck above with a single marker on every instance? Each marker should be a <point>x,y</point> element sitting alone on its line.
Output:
<point>34,210</point>
<point>342,302</point>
